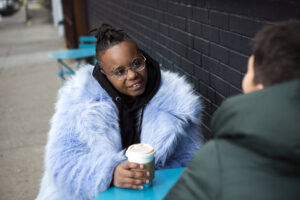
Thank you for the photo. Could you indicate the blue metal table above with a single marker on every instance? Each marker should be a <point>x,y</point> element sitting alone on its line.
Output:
<point>77,54</point>
<point>163,181</point>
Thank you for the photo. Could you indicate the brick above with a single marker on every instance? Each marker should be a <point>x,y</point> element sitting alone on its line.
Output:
<point>180,48</point>
<point>201,45</point>
<point>173,8</point>
<point>167,63</point>
<point>194,56</point>
<point>154,25</point>
<point>210,33</point>
<point>200,15</point>
<point>206,103</point>
<point>206,132</point>
<point>219,99</point>
<point>211,95</point>
<point>158,57</point>
<point>277,11</point>
<point>158,15</point>
<point>163,28</point>
<point>214,108</point>
<point>165,51</point>
<point>201,4</point>
<point>152,3</point>
<point>189,2</point>
<point>195,82</point>
<point>202,89</point>
<point>191,80</point>
<point>145,10</point>
<point>235,41</point>
<point>184,10</point>
<point>176,59</point>
<point>212,65</point>
<point>206,119</point>
<point>220,53</point>
<point>163,5</point>
<point>201,74</point>
<point>180,36</point>
<point>244,26</point>
<point>151,34</point>
<point>143,20</point>
<point>178,69</point>
<point>175,21</point>
<point>207,62</point>
<point>134,8</point>
<point>246,7</point>
<point>221,86</point>
<point>164,40</point>
<point>179,9</point>
<point>234,91</point>
<point>194,27</point>
<point>219,19</point>
<point>187,66</point>
<point>232,76</point>
<point>238,61</point>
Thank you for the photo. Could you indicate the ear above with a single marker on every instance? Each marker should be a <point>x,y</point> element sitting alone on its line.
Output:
<point>260,86</point>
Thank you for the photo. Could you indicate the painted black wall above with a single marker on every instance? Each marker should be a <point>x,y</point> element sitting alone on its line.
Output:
<point>206,40</point>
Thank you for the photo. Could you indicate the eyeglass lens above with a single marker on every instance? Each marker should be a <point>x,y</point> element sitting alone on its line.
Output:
<point>137,65</point>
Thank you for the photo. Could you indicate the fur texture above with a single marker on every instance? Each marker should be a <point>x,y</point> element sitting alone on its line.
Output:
<point>84,143</point>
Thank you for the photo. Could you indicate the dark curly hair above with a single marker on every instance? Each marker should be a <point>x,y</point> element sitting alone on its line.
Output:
<point>108,36</point>
<point>276,50</point>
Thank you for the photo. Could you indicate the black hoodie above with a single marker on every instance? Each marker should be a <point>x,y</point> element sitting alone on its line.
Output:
<point>128,112</point>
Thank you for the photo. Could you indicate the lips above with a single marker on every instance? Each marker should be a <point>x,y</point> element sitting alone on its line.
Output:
<point>136,86</point>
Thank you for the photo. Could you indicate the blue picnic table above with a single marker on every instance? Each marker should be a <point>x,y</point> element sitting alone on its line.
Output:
<point>77,54</point>
<point>162,183</point>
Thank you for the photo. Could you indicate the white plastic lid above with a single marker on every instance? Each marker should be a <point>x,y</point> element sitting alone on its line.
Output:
<point>140,153</point>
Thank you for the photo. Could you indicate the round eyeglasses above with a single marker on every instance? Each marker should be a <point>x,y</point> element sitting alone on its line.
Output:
<point>137,65</point>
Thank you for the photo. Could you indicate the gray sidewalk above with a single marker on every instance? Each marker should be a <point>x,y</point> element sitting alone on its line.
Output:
<point>28,88</point>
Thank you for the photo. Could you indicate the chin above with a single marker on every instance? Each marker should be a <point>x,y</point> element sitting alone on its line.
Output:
<point>138,93</point>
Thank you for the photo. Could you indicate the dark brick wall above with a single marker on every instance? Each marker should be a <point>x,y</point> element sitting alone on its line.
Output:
<point>206,40</point>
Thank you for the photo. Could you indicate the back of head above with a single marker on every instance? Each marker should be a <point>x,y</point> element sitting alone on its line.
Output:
<point>108,36</point>
<point>276,50</point>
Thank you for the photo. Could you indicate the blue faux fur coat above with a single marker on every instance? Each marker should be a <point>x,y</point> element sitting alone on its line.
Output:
<point>84,143</point>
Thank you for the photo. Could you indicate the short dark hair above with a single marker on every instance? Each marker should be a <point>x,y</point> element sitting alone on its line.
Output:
<point>108,36</point>
<point>276,50</point>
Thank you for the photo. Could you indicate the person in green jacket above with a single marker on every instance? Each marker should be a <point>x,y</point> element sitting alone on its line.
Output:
<point>255,150</point>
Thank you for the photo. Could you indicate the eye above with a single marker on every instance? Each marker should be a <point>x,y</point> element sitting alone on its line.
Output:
<point>137,62</point>
<point>119,72</point>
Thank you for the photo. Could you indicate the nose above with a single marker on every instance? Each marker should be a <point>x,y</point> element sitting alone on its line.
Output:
<point>131,74</point>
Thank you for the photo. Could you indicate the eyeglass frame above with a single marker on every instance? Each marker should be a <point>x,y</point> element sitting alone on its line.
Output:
<point>127,68</point>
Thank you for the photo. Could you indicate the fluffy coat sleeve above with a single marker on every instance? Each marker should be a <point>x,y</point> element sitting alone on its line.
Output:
<point>84,144</point>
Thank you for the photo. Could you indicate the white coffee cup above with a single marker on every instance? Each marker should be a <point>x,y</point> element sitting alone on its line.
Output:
<point>142,154</point>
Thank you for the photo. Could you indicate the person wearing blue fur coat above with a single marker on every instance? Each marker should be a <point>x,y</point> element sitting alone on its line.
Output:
<point>103,109</point>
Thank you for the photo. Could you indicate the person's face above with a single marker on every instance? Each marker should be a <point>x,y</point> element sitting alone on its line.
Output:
<point>118,58</point>
<point>248,84</point>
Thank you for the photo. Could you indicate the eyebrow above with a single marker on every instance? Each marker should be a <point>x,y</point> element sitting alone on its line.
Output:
<point>118,67</point>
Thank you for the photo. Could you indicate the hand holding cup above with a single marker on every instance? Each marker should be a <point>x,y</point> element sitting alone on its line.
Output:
<point>130,175</point>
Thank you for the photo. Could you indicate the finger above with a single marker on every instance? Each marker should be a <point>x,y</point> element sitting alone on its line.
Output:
<point>131,165</point>
<point>135,181</point>
<point>134,174</point>
<point>131,186</point>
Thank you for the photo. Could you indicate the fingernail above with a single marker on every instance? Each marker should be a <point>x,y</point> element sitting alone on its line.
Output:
<point>148,173</point>
<point>141,166</point>
<point>147,181</point>
<point>141,187</point>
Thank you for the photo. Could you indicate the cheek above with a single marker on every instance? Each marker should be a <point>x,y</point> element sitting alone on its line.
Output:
<point>245,83</point>
<point>118,85</point>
